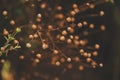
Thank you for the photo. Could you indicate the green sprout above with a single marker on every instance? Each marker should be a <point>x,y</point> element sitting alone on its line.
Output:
<point>9,46</point>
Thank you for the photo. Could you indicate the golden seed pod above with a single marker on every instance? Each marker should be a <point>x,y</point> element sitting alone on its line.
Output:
<point>38,55</point>
<point>88,4</point>
<point>2,49</point>
<point>28,45</point>
<point>71,30</point>
<point>97,46</point>
<point>95,53</point>
<point>64,32</point>
<point>39,15</point>
<point>76,10</point>
<point>69,41</point>
<point>33,5</point>
<point>59,16</point>
<point>102,27</point>
<point>56,78</point>
<point>69,59</point>
<point>77,59</point>
<point>92,6</point>
<point>59,8</point>
<point>102,13</point>
<point>91,26</point>
<point>93,66</point>
<point>44,46</point>
<point>79,25</point>
<point>81,51</point>
<point>12,22</point>
<point>50,27</point>
<point>16,41</point>
<point>69,66</point>
<point>34,26</point>
<point>76,42</point>
<point>43,6</point>
<point>76,37</point>
<point>101,64</point>
<point>72,13</point>
<point>31,36</point>
<point>81,68</point>
<point>72,19</point>
<point>85,54</point>
<point>75,6</point>
<point>62,38</point>
<point>71,36</point>
<point>85,23</point>
<point>82,42</point>
<point>38,19</point>
<point>68,19</point>
<point>55,51</point>
<point>35,35</point>
<point>5,13</point>
<point>21,57</point>
<point>5,32</point>
<point>58,63</point>
<point>2,60</point>
<point>58,36</point>
<point>37,60</point>
<point>89,54</point>
<point>88,59</point>
<point>62,60</point>
<point>93,63</point>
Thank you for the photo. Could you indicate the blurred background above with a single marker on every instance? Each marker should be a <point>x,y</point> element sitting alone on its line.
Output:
<point>110,50</point>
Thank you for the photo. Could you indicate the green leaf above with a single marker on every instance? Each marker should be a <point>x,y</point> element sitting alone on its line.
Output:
<point>5,38</point>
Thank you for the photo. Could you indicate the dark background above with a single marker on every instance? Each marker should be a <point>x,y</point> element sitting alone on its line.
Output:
<point>110,51</point>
